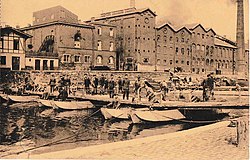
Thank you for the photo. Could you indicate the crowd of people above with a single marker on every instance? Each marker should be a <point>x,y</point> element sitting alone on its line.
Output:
<point>64,84</point>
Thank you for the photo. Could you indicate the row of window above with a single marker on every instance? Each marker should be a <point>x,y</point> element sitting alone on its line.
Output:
<point>99,46</point>
<point>140,26</point>
<point>86,59</point>
<point>111,31</point>
<point>202,35</point>
<point>171,39</point>
<point>171,62</point>
<point>10,44</point>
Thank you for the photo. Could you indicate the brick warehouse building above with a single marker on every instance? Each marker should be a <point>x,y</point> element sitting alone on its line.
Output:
<point>187,48</point>
<point>76,45</point>
<point>129,39</point>
<point>192,48</point>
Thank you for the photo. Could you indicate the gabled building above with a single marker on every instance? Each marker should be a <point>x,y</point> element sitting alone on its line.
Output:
<point>12,49</point>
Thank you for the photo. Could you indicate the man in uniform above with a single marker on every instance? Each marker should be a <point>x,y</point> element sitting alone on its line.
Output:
<point>111,87</point>
<point>95,84</point>
<point>210,83</point>
<point>126,84</point>
<point>52,84</point>
<point>101,81</point>
<point>87,84</point>
<point>120,84</point>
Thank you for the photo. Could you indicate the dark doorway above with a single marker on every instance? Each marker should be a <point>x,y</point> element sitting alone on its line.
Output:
<point>15,63</point>
<point>51,66</point>
<point>45,64</point>
<point>37,64</point>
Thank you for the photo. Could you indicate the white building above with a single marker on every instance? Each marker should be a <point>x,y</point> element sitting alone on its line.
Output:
<point>12,49</point>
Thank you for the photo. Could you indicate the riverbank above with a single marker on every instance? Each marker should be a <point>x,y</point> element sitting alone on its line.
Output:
<point>215,141</point>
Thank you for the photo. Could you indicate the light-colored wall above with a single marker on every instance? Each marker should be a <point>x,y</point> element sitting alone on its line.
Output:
<point>30,62</point>
<point>9,60</point>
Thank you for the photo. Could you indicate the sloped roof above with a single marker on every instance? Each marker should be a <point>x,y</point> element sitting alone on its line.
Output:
<point>220,42</point>
<point>166,24</point>
<point>16,31</point>
<point>191,26</point>
<point>57,23</point>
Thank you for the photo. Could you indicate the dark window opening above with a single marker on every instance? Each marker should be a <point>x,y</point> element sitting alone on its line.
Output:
<point>145,60</point>
<point>16,44</point>
<point>3,60</point>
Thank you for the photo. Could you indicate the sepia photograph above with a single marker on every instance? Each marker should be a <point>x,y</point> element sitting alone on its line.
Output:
<point>124,79</point>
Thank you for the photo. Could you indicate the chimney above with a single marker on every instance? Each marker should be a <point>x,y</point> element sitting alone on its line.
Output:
<point>240,53</point>
<point>132,3</point>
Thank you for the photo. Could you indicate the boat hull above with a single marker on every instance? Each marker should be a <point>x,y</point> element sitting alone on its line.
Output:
<point>143,116</point>
<point>4,97</point>
<point>47,103</point>
<point>23,99</point>
<point>109,113</point>
<point>74,105</point>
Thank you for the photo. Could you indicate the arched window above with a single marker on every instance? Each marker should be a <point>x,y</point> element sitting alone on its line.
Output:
<point>111,60</point>
<point>207,51</point>
<point>193,48</point>
<point>212,62</point>
<point>207,62</point>
<point>198,47</point>
<point>99,59</point>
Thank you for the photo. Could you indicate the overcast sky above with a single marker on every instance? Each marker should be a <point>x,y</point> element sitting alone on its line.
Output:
<point>217,14</point>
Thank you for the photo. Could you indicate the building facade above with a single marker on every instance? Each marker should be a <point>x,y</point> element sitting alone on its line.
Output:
<point>136,48</point>
<point>77,46</point>
<point>194,49</point>
<point>57,13</point>
<point>12,49</point>
<point>127,39</point>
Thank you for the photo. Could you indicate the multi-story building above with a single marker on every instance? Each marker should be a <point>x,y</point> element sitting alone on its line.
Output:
<point>192,48</point>
<point>12,49</point>
<point>57,13</point>
<point>76,45</point>
<point>173,48</point>
<point>126,40</point>
<point>135,37</point>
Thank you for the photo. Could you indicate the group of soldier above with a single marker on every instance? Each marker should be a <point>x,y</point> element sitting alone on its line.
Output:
<point>104,85</point>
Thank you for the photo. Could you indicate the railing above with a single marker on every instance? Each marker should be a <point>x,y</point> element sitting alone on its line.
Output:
<point>41,54</point>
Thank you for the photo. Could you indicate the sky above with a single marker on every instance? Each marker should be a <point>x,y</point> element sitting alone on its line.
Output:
<point>217,14</point>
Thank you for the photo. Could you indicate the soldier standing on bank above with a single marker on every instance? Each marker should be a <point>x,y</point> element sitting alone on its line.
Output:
<point>52,83</point>
<point>67,84</point>
<point>95,84</point>
<point>120,84</point>
<point>101,81</point>
<point>87,84</point>
<point>105,85</point>
<point>111,87</point>
<point>138,85</point>
<point>211,82</point>
<point>126,84</point>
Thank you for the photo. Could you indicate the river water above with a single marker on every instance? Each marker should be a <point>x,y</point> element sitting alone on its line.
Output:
<point>41,125</point>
